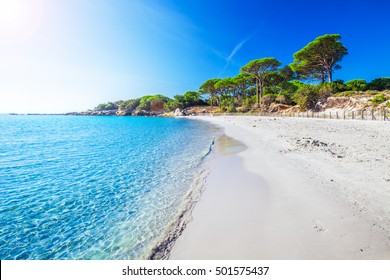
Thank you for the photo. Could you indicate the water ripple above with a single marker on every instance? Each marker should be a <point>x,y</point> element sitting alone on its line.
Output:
<point>93,187</point>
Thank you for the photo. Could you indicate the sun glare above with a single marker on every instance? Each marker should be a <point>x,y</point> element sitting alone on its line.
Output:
<point>18,18</point>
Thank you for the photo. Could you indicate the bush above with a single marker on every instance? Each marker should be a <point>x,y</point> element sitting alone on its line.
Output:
<point>379,84</point>
<point>325,90</point>
<point>130,104</point>
<point>227,101</point>
<point>338,86</point>
<point>106,106</point>
<point>249,102</point>
<point>231,109</point>
<point>348,93</point>
<point>192,98</point>
<point>358,85</point>
<point>267,100</point>
<point>306,97</point>
<point>379,99</point>
<point>371,92</point>
<point>281,99</point>
<point>152,102</point>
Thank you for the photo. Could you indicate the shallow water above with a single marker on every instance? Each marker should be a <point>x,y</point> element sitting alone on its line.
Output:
<point>228,146</point>
<point>93,187</point>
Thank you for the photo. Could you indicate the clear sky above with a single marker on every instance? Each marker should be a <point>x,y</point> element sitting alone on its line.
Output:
<point>69,55</point>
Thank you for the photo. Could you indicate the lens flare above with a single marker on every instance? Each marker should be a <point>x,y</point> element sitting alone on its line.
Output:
<point>18,18</point>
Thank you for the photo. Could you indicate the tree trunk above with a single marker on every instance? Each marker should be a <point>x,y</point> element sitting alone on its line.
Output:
<point>261,93</point>
<point>330,75</point>
<point>257,94</point>
<point>323,77</point>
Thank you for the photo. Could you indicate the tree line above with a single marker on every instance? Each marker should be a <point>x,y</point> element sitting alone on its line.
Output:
<point>264,81</point>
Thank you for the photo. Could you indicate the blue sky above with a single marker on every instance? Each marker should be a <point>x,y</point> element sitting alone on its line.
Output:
<point>60,56</point>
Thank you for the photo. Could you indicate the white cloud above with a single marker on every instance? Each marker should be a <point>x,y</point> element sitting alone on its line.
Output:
<point>235,50</point>
<point>237,47</point>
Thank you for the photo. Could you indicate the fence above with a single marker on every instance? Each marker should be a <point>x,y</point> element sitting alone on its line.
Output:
<point>383,115</point>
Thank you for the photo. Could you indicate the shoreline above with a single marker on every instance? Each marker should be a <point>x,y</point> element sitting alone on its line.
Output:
<point>307,197</point>
<point>161,249</point>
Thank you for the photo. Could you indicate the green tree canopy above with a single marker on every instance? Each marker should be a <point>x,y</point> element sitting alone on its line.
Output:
<point>379,84</point>
<point>107,106</point>
<point>152,102</point>
<point>319,58</point>
<point>243,81</point>
<point>261,69</point>
<point>208,87</point>
<point>356,85</point>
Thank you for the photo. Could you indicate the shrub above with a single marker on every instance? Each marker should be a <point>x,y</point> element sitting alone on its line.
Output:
<point>281,99</point>
<point>248,102</point>
<point>338,86</point>
<point>231,109</point>
<point>227,101</point>
<point>379,99</point>
<point>152,102</point>
<point>130,104</point>
<point>379,84</point>
<point>371,92</point>
<point>358,85</point>
<point>106,106</point>
<point>267,100</point>
<point>348,93</point>
<point>306,97</point>
<point>325,90</point>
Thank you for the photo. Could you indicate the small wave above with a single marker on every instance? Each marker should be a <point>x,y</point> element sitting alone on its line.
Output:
<point>161,250</point>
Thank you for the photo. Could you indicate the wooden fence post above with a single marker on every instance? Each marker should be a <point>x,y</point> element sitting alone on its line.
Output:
<point>384,115</point>
<point>373,114</point>
<point>363,114</point>
<point>353,115</point>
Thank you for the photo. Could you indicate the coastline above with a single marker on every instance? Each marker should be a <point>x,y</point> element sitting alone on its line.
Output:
<point>161,249</point>
<point>302,189</point>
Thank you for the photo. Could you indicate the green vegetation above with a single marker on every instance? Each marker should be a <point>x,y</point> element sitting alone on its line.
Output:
<point>319,58</point>
<point>379,84</point>
<point>154,103</point>
<point>357,85</point>
<point>264,83</point>
<point>262,70</point>
<point>190,98</point>
<point>108,106</point>
<point>379,99</point>
<point>306,96</point>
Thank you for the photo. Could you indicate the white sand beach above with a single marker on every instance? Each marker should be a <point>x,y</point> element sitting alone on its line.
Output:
<point>293,188</point>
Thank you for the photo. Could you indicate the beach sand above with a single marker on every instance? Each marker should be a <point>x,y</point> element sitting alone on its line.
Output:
<point>293,188</point>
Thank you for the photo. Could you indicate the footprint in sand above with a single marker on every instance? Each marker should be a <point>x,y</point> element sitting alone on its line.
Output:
<point>318,227</point>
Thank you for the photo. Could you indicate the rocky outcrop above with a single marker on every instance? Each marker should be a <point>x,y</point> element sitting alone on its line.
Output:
<point>119,112</point>
<point>93,113</point>
<point>147,113</point>
<point>178,113</point>
<point>124,112</point>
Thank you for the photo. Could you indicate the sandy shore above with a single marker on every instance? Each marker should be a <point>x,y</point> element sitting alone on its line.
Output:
<point>293,188</point>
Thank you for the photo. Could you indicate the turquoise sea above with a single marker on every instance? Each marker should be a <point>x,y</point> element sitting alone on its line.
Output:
<point>76,187</point>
